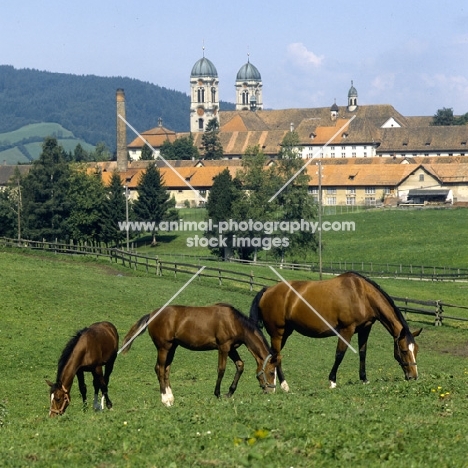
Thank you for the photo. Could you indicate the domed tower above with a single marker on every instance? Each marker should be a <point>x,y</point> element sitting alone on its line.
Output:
<point>352,98</point>
<point>204,87</point>
<point>249,88</point>
<point>334,110</point>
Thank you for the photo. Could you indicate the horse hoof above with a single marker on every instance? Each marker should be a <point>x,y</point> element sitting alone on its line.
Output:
<point>285,386</point>
<point>365,382</point>
<point>97,407</point>
<point>332,384</point>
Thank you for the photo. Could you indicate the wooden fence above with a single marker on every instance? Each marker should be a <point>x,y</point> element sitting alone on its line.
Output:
<point>160,267</point>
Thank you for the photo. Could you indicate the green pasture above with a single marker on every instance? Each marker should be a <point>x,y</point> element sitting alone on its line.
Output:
<point>429,237</point>
<point>389,422</point>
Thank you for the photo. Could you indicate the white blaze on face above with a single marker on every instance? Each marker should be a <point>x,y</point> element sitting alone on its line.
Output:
<point>285,386</point>
<point>413,359</point>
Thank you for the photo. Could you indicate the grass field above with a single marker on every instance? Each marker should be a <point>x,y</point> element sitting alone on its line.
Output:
<point>431,237</point>
<point>390,422</point>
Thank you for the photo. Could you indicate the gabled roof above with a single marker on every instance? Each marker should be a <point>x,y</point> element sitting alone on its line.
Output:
<point>155,137</point>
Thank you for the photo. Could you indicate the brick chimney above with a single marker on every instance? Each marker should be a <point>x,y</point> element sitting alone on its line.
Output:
<point>122,160</point>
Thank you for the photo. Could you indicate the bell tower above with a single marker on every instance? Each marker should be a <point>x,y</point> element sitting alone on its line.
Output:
<point>204,94</point>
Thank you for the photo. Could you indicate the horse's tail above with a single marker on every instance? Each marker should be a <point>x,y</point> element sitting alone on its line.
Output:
<point>134,332</point>
<point>255,311</point>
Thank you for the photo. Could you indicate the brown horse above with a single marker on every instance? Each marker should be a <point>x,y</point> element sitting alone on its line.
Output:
<point>345,305</point>
<point>88,351</point>
<point>220,327</point>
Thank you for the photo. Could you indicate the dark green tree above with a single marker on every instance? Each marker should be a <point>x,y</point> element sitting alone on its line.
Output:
<point>182,148</point>
<point>258,186</point>
<point>443,116</point>
<point>86,197</point>
<point>11,207</point>
<point>211,143</point>
<point>294,202</point>
<point>224,194</point>
<point>154,203</point>
<point>100,153</point>
<point>45,194</point>
<point>115,211</point>
<point>79,154</point>
<point>146,153</point>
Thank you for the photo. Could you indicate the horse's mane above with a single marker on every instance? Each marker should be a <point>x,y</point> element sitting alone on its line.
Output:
<point>67,351</point>
<point>246,322</point>
<point>385,294</point>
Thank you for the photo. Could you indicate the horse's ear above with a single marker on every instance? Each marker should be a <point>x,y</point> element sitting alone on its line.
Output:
<point>49,383</point>
<point>417,332</point>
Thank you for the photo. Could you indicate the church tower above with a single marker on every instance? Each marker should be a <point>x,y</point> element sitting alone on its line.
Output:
<point>204,92</point>
<point>352,98</point>
<point>249,88</point>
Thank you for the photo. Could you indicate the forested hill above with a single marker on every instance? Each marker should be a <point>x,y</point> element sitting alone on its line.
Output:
<point>85,104</point>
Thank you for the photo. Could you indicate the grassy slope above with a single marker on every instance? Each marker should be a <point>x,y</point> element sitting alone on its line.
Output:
<point>419,237</point>
<point>39,130</point>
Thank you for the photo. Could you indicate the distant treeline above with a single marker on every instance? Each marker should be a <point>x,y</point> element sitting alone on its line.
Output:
<point>86,105</point>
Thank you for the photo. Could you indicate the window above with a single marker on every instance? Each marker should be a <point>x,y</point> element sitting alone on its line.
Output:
<point>350,200</point>
<point>331,191</point>
<point>332,155</point>
<point>245,97</point>
<point>343,155</point>
<point>351,190</point>
<point>421,177</point>
<point>331,200</point>
<point>369,201</point>
<point>370,190</point>
<point>313,190</point>
<point>201,94</point>
<point>200,124</point>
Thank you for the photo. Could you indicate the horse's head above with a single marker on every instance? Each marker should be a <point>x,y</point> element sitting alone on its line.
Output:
<point>406,350</point>
<point>59,399</point>
<point>266,373</point>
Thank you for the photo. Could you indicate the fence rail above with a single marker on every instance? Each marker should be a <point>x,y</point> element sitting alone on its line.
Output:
<point>159,267</point>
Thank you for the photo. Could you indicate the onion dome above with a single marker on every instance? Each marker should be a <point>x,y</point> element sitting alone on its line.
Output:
<point>205,68</point>
<point>248,72</point>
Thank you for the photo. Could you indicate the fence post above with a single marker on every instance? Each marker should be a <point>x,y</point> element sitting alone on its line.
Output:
<point>220,278</point>
<point>251,280</point>
<point>438,314</point>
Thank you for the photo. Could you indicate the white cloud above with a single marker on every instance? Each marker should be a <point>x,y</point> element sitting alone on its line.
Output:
<point>382,83</point>
<point>301,56</point>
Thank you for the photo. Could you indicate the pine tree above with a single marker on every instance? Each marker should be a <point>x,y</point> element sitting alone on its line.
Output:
<point>154,202</point>
<point>45,194</point>
<point>224,194</point>
<point>114,211</point>
<point>210,141</point>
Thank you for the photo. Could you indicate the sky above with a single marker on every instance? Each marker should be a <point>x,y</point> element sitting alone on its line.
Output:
<point>410,54</point>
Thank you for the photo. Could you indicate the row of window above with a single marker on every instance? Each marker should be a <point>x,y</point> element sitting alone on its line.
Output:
<point>349,190</point>
<point>369,201</point>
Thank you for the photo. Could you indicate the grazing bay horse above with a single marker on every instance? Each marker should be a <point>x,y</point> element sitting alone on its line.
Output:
<point>220,327</point>
<point>88,351</point>
<point>345,305</point>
